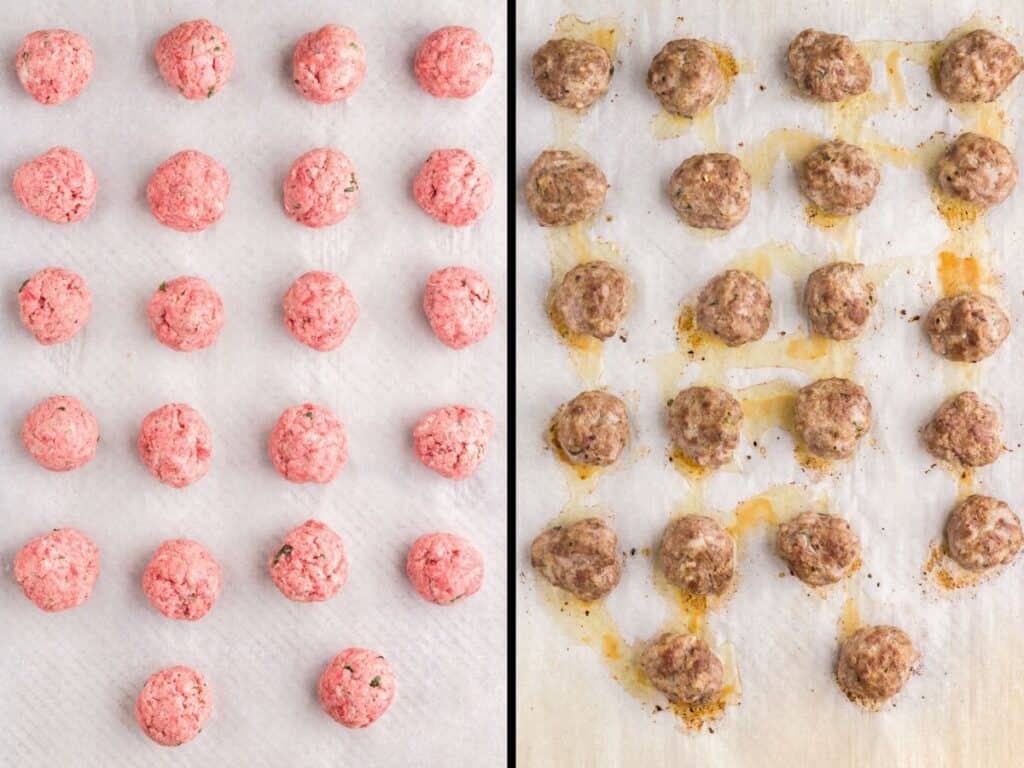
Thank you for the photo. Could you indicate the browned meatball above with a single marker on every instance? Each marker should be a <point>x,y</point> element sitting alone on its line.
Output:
<point>827,67</point>
<point>839,178</point>
<point>982,532</point>
<point>832,415</point>
<point>819,548</point>
<point>581,558</point>
<point>562,188</point>
<point>685,77</point>
<point>683,667</point>
<point>874,664</point>
<point>978,67</point>
<point>967,328</point>
<point>698,555</point>
<point>735,306</point>
<point>572,73</point>
<point>710,191</point>
<point>592,428</point>
<point>964,430</point>
<point>977,169</point>
<point>704,423</point>
<point>839,300</point>
<point>592,299</point>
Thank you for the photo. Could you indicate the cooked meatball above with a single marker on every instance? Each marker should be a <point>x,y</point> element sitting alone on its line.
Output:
<point>592,299</point>
<point>839,178</point>
<point>874,664</point>
<point>704,423</point>
<point>827,67</point>
<point>592,428</point>
<point>698,554</point>
<point>710,191</point>
<point>982,532</point>
<point>977,169</point>
<point>839,300</point>
<point>819,548</point>
<point>572,73</point>
<point>964,430</point>
<point>735,306</point>
<point>967,328</point>
<point>978,67</point>
<point>581,558</point>
<point>685,77</point>
<point>683,667</point>
<point>562,188</point>
<point>832,415</point>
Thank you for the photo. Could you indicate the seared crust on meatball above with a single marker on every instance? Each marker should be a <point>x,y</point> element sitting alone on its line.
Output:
<point>967,327</point>
<point>839,178</point>
<point>698,555</point>
<point>839,300</point>
<point>735,306</point>
<point>683,667</point>
<point>977,169</point>
<point>592,299</point>
<point>562,188</point>
<point>685,77</point>
<point>978,67</point>
<point>982,532</point>
<point>874,664</point>
<point>592,428</point>
<point>965,430</point>
<point>831,417</point>
<point>827,67</point>
<point>704,423</point>
<point>819,548</point>
<point>710,191</point>
<point>572,73</point>
<point>581,558</point>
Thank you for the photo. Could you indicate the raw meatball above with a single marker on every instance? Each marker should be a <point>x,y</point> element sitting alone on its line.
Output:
<point>831,417</point>
<point>188,191</point>
<point>977,169</point>
<point>685,77</point>
<point>186,314</point>
<point>839,178</point>
<point>710,191</point>
<point>196,58</point>
<point>592,299</point>
<point>60,434</point>
<point>982,532</point>
<point>452,441</point>
<point>562,188</point>
<point>58,570</point>
<point>735,306</point>
<point>54,65</point>
<point>572,73</point>
<point>704,423</point>
<point>874,664</point>
<point>182,580</point>
<point>58,186</point>
<point>839,300</point>
<point>592,428</point>
<point>321,188</point>
<point>459,306</point>
<point>453,63</point>
<point>328,64</point>
<point>310,566</point>
<point>827,67</point>
<point>320,310</point>
<point>453,187</point>
<point>444,567</point>
<point>581,558</point>
<point>683,667</point>
<point>967,327</point>
<point>698,555</point>
<point>54,304</point>
<point>357,687</point>
<point>819,548</point>
<point>308,444</point>
<point>175,444</point>
<point>978,67</point>
<point>173,705</point>
<point>964,430</point>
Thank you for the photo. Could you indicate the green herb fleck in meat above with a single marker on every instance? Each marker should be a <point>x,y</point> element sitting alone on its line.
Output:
<point>283,551</point>
<point>375,683</point>
<point>23,286</point>
<point>163,286</point>
<point>209,93</point>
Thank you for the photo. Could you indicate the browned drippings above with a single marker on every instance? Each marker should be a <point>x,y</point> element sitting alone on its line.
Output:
<point>816,217</point>
<point>959,273</point>
<point>849,620</point>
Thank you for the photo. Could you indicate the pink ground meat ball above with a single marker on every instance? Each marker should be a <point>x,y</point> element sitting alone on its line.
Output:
<point>57,571</point>
<point>444,567</point>
<point>176,444</point>
<point>357,687</point>
<point>453,188</point>
<point>310,565</point>
<point>182,580</point>
<point>308,444</point>
<point>452,441</point>
<point>453,63</point>
<point>54,65</point>
<point>60,434</point>
<point>188,191</point>
<point>459,305</point>
<point>54,304</point>
<point>320,310</point>
<point>195,58</point>
<point>329,64</point>
<point>321,188</point>
<point>58,186</point>
<point>173,705</point>
<point>186,314</point>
